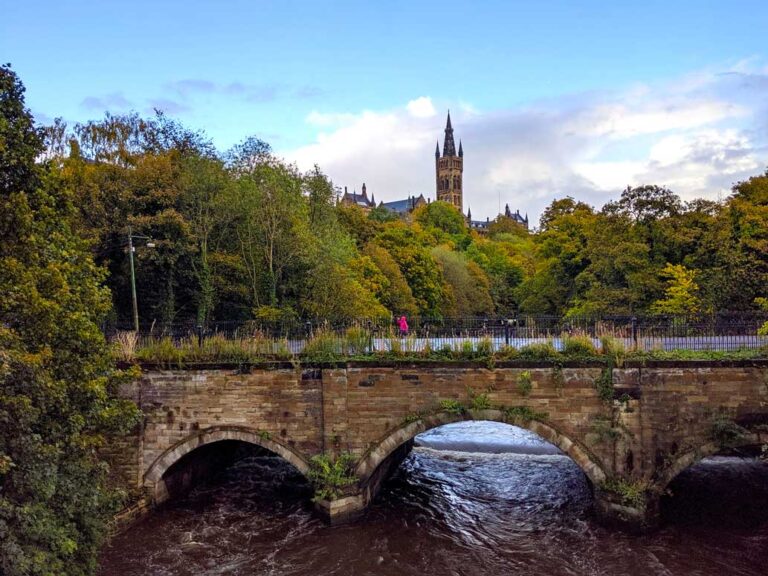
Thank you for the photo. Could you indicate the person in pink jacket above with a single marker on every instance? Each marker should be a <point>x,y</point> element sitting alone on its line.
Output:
<point>402,323</point>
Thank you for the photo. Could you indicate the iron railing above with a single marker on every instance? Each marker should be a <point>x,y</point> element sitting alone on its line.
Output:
<point>722,331</point>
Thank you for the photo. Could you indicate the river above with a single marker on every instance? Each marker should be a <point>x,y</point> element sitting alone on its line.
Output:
<point>473,498</point>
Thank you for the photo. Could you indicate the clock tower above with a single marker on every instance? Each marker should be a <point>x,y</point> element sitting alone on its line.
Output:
<point>449,169</point>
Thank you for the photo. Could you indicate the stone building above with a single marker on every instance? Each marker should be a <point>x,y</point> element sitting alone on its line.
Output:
<point>361,200</point>
<point>449,169</point>
<point>449,187</point>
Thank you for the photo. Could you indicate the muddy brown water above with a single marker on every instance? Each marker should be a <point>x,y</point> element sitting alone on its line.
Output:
<point>474,498</point>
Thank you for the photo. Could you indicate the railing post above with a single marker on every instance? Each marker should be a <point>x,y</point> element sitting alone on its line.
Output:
<point>506,331</point>
<point>634,333</point>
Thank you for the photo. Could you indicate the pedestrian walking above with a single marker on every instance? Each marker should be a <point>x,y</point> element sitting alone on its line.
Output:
<point>402,323</point>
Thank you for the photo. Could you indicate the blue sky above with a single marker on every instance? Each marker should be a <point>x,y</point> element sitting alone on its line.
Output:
<point>550,98</point>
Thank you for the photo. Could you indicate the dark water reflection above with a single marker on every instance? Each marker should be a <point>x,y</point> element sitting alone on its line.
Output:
<point>451,512</point>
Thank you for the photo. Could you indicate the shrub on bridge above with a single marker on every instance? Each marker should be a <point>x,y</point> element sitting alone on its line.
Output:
<point>357,341</point>
<point>330,476</point>
<point>538,351</point>
<point>579,346</point>
<point>323,346</point>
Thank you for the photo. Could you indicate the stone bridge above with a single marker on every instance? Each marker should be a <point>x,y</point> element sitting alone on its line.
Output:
<point>630,429</point>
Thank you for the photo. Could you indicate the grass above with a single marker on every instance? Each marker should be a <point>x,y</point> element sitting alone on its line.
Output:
<point>356,344</point>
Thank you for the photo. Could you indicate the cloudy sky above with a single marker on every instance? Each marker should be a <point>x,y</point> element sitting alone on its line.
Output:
<point>549,98</point>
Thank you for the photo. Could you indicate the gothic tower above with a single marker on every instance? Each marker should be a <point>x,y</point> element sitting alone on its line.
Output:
<point>449,169</point>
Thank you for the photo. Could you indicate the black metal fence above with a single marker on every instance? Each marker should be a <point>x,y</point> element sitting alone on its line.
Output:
<point>724,331</point>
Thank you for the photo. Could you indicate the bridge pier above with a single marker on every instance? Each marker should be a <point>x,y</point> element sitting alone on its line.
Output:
<point>351,505</point>
<point>613,511</point>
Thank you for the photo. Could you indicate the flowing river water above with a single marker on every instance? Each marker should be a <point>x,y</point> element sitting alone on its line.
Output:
<point>473,498</point>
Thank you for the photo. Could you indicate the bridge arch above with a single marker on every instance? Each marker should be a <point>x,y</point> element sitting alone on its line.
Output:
<point>393,440</point>
<point>153,477</point>
<point>692,457</point>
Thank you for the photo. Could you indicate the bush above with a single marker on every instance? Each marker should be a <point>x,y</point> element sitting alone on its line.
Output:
<point>331,475</point>
<point>484,348</point>
<point>452,406</point>
<point>357,340</point>
<point>480,401</point>
<point>631,493</point>
<point>162,351</point>
<point>726,433</point>
<point>323,346</point>
<point>538,351</point>
<point>466,351</point>
<point>522,414</point>
<point>507,353</point>
<point>604,384</point>
<point>578,346</point>
<point>124,345</point>
<point>525,383</point>
<point>613,347</point>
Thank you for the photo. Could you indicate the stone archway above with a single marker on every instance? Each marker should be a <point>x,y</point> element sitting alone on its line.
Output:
<point>392,441</point>
<point>153,477</point>
<point>692,457</point>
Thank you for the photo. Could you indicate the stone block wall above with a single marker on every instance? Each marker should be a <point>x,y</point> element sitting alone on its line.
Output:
<point>660,422</point>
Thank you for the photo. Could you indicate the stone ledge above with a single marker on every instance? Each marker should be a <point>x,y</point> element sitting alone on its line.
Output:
<point>244,368</point>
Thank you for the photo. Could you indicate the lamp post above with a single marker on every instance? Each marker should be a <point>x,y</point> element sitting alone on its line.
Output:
<point>131,249</point>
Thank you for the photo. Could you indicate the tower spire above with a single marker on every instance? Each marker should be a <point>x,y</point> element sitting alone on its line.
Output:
<point>449,147</point>
<point>437,149</point>
<point>461,150</point>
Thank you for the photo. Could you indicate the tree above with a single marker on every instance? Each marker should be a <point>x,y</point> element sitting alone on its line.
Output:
<point>203,186</point>
<point>395,293</point>
<point>562,251</point>
<point>504,274</point>
<point>357,224</point>
<point>441,215</point>
<point>746,251</point>
<point>271,228</point>
<point>680,294</point>
<point>337,295</point>
<point>56,373</point>
<point>469,285</point>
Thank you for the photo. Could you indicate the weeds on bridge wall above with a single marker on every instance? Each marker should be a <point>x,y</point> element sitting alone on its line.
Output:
<point>330,476</point>
<point>522,414</point>
<point>452,407</point>
<point>726,433</point>
<point>525,383</point>
<point>479,401</point>
<point>513,415</point>
<point>629,492</point>
<point>604,383</point>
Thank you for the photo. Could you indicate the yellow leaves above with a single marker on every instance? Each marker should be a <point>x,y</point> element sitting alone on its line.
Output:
<point>680,294</point>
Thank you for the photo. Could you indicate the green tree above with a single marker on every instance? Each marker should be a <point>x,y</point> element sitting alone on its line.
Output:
<point>680,293</point>
<point>203,188</point>
<point>746,251</point>
<point>56,373</point>
<point>441,215</point>
<point>271,227</point>
<point>395,293</point>
<point>469,293</point>
<point>417,265</point>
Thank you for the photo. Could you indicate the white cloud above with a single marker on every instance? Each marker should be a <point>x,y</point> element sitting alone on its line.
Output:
<point>698,136</point>
<point>421,107</point>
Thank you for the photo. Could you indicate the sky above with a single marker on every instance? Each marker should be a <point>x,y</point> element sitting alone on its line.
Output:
<point>550,99</point>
